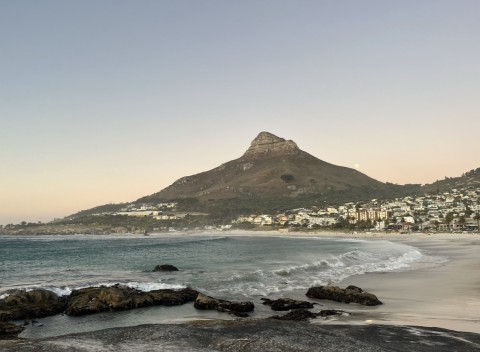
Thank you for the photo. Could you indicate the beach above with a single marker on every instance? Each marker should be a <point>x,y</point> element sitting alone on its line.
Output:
<point>444,295</point>
<point>441,294</point>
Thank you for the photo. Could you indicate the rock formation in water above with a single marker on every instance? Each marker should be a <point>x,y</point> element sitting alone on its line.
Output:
<point>351,294</point>
<point>98,299</point>
<point>282,304</point>
<point>36,303</point>
<point>239,308</point>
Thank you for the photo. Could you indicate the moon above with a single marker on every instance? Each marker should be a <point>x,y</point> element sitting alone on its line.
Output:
<point>357,166</point>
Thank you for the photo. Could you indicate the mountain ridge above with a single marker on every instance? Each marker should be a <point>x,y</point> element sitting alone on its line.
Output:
<point>271,166</point>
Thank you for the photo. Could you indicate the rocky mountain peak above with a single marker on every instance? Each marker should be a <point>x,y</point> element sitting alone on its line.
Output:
<point>267,144</point>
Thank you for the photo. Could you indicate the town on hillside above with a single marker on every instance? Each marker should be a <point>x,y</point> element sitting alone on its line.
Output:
<point>454,210</point>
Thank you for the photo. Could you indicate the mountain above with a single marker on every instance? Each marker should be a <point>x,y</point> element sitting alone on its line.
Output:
<point>271,167</point>
<point>273,174</point>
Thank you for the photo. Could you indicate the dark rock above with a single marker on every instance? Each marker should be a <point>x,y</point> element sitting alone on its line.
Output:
<point>240,314</point>
<point>303,314</point>
<point>258,335</point>
<point>354,288</point>
<point>297,315</point>
<point>98,299</point>
<point>286,304</point>
<point>9,330</point>
<point>165,267</point>
<point>36,303</point>
<point>173,297</point>
<point>233,307</point>
<point>347,295</point>
<point>205,302</point>
<point>330,312</point>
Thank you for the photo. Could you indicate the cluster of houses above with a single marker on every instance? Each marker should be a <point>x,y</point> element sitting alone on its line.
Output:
<point>456,210</point>
<point>160,211</point>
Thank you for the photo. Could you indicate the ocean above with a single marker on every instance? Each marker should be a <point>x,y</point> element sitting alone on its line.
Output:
<point>223,265</point>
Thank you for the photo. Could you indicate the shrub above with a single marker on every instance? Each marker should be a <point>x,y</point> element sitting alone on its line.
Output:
<point>287,178</point>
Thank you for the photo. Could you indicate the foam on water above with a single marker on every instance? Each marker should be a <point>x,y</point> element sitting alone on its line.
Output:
<point>66,291</point>
<point>322,272</point>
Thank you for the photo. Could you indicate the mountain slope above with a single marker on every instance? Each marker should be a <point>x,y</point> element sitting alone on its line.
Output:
<point>468,179</point>
<point>271,167</point>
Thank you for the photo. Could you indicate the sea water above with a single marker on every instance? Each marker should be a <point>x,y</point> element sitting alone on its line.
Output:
<point>232,267</point>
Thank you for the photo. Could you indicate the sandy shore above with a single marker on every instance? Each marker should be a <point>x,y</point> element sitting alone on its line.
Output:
<point>445,296</point>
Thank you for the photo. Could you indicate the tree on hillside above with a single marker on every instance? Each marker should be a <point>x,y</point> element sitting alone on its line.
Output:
<point>287,178</point>
<point>449,219</point>
<point>364,224</point>
<point>468,211</point>
<point>420,223</point>
<point>477,217</point>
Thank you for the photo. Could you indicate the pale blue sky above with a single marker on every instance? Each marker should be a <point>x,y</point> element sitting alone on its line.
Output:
<point>107,101</point>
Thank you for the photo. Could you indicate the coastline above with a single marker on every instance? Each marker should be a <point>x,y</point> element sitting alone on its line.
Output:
<point>442,296</point>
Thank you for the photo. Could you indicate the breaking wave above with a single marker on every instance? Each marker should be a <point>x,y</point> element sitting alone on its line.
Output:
<point>330,270</point>
<point>67,290</point>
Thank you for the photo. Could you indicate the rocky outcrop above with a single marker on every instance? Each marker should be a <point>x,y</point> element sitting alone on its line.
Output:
<point>36,303</point>
<point>165,267</point>
<point>8,330</point>
<point>303,314</point>
<point>267,144</point>
<point>351,294</point>
<point>331,312</point>
<point>282,304</point>
<point>98,299</point>
<point>172,297</point>
<point>297,315</point>
<point>238,308</point>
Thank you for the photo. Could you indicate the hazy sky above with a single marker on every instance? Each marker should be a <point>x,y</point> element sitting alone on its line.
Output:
<point>107,101</point>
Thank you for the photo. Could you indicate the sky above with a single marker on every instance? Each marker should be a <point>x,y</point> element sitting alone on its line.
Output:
<point>107,101</point>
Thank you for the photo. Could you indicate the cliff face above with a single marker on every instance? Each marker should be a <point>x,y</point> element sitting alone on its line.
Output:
<point>268,145</point>
<point>271,167</point>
